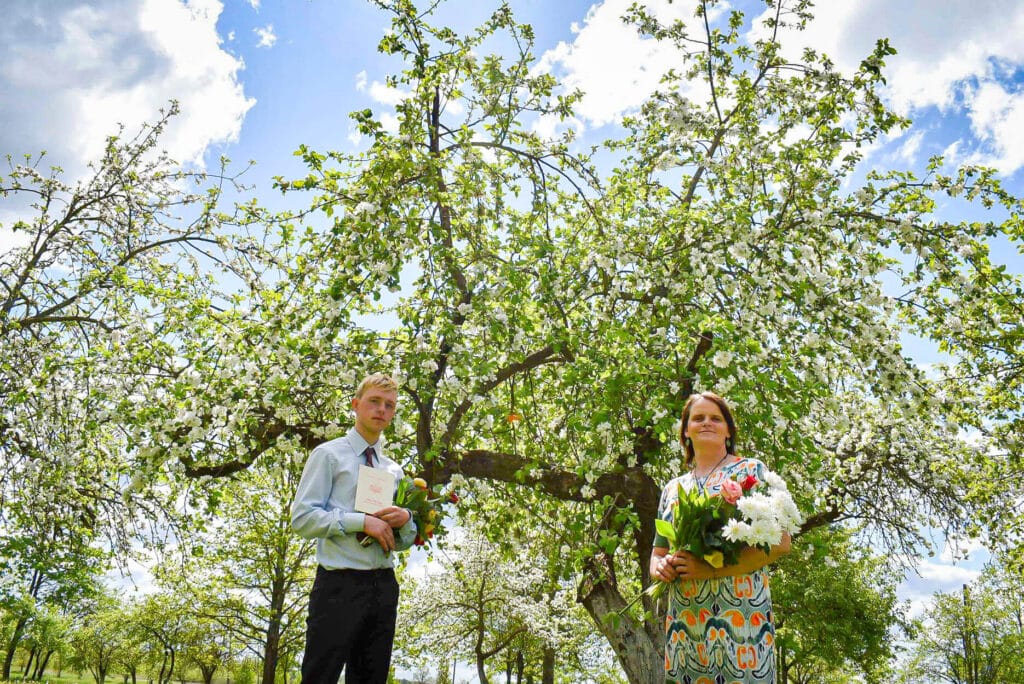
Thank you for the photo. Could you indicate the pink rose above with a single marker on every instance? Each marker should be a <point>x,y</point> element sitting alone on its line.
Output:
<point>731,491</point>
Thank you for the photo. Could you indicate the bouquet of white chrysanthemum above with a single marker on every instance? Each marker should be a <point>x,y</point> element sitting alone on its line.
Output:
<point>716,528</point>
<point>762,516</point>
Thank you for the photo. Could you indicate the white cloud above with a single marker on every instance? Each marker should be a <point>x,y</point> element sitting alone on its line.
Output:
<point>939,43</point>
<point>964,549</point>
<point>611,63</point>
<point>255,4</point>
<point>550,126</point>
<point>389,122</point>
<point>997,119</point>
<point>361,81</point>
<point>385,94</point>
<point>947,576</point>
<point>934,578</point>
<point>951,55</point>
<point>8,238</point>
<point>908,150</point>
<point>266,36</point>
<point>354,136</point>
<point>72,71</point>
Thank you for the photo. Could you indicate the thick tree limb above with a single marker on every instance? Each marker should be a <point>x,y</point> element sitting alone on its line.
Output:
<point>633,484</point>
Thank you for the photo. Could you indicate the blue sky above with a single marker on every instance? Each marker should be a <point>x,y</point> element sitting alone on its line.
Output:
<point>258,78</point>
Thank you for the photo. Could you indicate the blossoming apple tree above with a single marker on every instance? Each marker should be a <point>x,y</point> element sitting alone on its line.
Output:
<point>549,315</point>
<point>100,273</point>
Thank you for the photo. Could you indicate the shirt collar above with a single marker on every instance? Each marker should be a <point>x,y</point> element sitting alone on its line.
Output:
<point>359,444</point>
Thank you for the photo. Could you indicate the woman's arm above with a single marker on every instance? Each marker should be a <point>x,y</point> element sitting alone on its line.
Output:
<point>689,566</point>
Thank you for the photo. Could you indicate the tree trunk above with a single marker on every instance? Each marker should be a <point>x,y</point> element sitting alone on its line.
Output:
<point>28,663</point>
<point>481,674</point>
<point>520,666</point>
<point>272,644</point>
<point>547,675</point>
<point>636,645</point>
<point>12,646</point>
<point>781,663</point>
<point>41,665</point>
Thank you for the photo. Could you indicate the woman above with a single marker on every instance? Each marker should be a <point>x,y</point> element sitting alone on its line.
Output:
<point>719,626</point>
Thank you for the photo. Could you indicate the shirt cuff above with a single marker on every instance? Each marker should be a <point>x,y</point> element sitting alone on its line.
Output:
<point>352,522</point>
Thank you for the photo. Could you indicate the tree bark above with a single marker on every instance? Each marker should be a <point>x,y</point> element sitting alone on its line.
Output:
<point>481,659</point>
<point>28,663</point>
<point>636,646</point>
<point>272,645</point>
<point>12,646</point>
<point>547,675</point>
<point>41,666</point>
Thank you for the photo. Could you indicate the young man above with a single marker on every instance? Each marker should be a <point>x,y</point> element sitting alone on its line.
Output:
<point>354,601</point>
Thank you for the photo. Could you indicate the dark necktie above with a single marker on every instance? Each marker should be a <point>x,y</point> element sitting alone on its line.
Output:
<point>368,456</point>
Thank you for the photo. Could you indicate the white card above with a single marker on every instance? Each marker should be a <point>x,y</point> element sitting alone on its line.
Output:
<point>375,489</point>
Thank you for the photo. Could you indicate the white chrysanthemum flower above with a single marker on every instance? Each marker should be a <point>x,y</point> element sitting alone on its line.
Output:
<point>735,530</point>
<point>755,505</point>
<point>774,481</point>
<point>765,531</point>
<point>790,518</point>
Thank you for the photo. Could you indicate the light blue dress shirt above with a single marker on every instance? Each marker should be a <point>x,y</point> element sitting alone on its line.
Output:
<point>323,505</point>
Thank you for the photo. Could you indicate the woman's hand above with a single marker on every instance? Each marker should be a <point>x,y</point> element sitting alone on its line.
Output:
<point>688,566</point>
<point>662,567</point>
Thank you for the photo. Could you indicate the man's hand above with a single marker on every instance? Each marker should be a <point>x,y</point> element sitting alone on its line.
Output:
<point>394,516</point>
<point>381,531</point>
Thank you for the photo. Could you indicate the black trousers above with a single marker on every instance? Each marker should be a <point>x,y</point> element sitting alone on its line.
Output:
<point>351,624</point>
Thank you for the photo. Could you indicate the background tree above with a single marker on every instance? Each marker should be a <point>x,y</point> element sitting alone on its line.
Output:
<point>98,637</point>
<point>505,616</point>
<point>836,611</point>
<point>46,636</point>
<point>48,562</point>
<point>134,649</point>
<point>206,646</point>
<point>254,574</point>
<point>973,636</point>
<point>163,619</point>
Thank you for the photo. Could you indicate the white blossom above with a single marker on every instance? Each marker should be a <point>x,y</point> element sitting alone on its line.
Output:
<point>722,359</point>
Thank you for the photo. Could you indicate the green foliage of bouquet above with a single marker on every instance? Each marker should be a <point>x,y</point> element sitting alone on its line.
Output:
<point>417,496</point>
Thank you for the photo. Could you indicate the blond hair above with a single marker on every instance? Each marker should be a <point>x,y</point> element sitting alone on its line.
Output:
<point>381,380</point>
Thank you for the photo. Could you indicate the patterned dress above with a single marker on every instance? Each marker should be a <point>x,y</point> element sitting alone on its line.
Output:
<point>718,631</point>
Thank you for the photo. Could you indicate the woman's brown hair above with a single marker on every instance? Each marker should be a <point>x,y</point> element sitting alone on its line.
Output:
<point>730,444</point>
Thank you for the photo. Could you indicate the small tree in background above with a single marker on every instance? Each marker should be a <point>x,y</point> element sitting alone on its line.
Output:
<point>974,636</point>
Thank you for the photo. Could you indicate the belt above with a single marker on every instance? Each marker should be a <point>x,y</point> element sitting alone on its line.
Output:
<point>354,571</point>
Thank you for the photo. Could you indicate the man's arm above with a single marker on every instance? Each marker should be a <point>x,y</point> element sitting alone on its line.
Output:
<point>311,518</point>
<point>405,534</point>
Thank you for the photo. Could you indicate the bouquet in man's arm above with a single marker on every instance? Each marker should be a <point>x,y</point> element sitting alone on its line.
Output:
<point>718,527</point>
<point>415,495</point>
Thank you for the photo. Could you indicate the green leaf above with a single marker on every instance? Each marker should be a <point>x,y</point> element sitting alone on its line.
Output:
<point>666,530</point>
